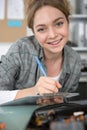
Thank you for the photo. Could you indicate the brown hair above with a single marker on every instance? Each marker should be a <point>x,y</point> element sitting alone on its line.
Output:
<point>33,5</point>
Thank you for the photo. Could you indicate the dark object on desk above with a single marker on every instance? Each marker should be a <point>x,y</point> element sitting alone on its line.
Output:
<point>84,65</point>
<point>45,99</point>
<point>69,114</point>
<point>82,90</point>
<point>57,98</point>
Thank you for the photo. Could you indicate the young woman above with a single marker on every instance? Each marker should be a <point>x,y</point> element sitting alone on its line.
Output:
<point>20,74</point>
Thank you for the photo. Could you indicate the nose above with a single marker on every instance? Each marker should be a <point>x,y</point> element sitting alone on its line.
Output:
<point>52,33</point>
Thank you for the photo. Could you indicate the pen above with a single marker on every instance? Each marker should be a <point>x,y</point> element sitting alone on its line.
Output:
<point>40,65</point>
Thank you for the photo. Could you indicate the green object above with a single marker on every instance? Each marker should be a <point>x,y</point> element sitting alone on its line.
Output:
<point>16,117</point>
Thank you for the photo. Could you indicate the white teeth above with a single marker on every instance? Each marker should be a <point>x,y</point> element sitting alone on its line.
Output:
<point>55,42</point>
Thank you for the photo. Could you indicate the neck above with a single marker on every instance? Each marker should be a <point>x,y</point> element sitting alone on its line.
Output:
<point>53,58</point>
<point>54,64</point>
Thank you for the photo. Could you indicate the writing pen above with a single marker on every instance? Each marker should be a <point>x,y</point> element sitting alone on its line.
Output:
<point>40,65</point>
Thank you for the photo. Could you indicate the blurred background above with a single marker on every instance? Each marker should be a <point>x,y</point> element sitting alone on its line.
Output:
<point>13,26</point>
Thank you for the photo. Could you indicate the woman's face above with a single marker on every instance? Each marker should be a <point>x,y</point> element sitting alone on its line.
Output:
<point>51,29</point>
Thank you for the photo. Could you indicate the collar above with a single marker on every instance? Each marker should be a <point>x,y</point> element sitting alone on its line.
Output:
<point>66,67</point>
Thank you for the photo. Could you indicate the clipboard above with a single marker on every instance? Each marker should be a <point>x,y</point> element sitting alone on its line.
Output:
<point>44,99</point>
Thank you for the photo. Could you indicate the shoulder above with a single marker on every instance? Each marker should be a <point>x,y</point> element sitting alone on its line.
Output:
<point>72,59</point>
<point>26,41</point>
<point>24,44</point>
<point>70,52</point>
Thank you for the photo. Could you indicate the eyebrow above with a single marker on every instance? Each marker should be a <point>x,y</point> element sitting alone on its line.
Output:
<point>58,19</point>
<point>53,22</point>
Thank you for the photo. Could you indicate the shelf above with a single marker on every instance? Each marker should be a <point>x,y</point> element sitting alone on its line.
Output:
<point>78,17</point>
<point>80,49</point>
<point>83,77</point>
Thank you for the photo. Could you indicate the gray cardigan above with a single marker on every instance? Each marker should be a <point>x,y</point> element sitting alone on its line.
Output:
<point>19,69</point>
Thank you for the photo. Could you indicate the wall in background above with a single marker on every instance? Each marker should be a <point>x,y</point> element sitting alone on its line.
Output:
<point>4,48</point>
<point>12,23</point>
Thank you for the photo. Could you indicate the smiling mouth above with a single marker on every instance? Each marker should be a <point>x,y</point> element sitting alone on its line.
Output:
<point>55,42</point>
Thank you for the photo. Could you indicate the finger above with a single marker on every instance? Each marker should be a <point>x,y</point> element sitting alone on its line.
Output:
<point>48,80</point>
<point>45,90</point>
<point>48,85</point>
<point>51,88</point>
<point>48,89</point>
<point>58,85</point>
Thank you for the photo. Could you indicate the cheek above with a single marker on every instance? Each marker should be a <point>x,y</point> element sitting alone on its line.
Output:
<point>65,31</point>
<point>41,38</point>
<point>64,34</point>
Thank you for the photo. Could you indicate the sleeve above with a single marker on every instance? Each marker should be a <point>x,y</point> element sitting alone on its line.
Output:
<point>9,68</point>
<point>6,96</point>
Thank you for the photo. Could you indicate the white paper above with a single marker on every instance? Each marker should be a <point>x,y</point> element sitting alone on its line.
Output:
<point>15,9</point>
<point>2,9</point>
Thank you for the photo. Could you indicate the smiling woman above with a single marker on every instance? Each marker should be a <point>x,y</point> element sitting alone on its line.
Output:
<point>49,21</point>
<point>52,30</point>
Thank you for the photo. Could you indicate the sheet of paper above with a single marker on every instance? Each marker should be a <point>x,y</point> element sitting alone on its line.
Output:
<point>15,9</point>
<point>2,9</point>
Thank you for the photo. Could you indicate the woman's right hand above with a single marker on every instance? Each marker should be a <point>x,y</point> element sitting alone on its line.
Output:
<point>47,85</point>
<point>43,86</point>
